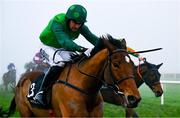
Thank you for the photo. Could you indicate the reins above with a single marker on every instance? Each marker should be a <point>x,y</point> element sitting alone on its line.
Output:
<point>74,87</point>
<point>114,84</point>
<point>93,76</point>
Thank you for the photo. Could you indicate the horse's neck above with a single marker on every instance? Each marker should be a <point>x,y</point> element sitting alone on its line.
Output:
<point>93,66</point>
<point>139,79</point>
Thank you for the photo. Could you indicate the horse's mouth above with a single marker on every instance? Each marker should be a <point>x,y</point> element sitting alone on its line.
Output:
<point>132,101</point>
<point>134,105</point>
<point>158,93</point>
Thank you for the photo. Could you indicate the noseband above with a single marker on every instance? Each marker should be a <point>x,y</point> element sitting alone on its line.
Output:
<point>115,82</point>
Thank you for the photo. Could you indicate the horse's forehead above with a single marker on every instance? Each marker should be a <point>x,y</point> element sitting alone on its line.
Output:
<point>119,57</point>
<point>153,67</point>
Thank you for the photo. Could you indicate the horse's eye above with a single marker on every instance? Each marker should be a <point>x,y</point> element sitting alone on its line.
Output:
<point>116,64</point>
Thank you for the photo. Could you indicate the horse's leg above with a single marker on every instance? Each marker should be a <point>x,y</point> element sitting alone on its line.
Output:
<point>22,105</point>
<point>56,107</point>
<point>24,109</point>
<point>21,100</point>
<point>66,105</point>
<point>72,108</point>
<point>6,87</point>
<point>97,111</point>
<point>98,108</point>
<point>135,115</point>
<point>131,113</point>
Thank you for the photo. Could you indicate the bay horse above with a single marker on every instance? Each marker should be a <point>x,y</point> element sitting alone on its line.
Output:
<point>9,78</point>
<point>31,66</point>
<point>76,92</point>
<point>42,67</point>
<point>150,76</point>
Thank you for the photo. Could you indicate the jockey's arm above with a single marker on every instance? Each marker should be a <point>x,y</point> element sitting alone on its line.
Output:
<point>93,39</point>
<point>63,38</point>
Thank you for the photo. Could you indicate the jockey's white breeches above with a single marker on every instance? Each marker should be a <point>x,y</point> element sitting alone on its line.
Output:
<point>57,57</point>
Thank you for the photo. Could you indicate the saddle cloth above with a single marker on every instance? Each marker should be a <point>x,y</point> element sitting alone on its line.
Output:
<point>34,89</point>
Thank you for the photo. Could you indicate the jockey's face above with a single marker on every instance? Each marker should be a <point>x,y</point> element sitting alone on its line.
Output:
<point>74,26</point>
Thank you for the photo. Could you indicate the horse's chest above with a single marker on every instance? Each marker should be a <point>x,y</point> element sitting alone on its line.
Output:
<point>73,104</point>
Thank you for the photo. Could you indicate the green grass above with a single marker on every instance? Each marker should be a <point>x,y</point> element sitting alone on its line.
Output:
<point>149,106</point>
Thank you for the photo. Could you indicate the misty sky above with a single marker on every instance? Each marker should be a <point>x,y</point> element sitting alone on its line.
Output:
<point>145,24</point>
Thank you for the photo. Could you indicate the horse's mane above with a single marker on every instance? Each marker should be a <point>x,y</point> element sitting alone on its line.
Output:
<point>104,40</point>
<point>119,43</point>
<point>147,64</point>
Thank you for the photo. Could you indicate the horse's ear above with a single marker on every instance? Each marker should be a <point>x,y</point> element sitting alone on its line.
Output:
<point>110,37</point>
<point>159,65</point>
<point>123,43</point>
<point>147,63</point>
<point>107,42</point>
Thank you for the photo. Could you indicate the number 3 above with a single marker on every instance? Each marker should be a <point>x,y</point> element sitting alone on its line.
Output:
<point>31,93</point>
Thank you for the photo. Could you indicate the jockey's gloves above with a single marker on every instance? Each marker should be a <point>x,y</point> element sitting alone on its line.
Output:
<point>88,52</point>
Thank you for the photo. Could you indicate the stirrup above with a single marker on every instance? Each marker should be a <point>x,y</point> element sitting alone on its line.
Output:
<point>37,95</point>
<point>39,98</point>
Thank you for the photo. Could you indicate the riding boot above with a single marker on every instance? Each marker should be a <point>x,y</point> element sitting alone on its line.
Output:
<point>49,78</point>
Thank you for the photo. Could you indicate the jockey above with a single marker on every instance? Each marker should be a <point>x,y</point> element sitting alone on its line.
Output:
<point>38,58</point>
<point>58,37</point>
<point>11,67</point>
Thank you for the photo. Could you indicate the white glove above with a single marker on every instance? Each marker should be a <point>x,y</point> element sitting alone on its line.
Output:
<point>88,52</point>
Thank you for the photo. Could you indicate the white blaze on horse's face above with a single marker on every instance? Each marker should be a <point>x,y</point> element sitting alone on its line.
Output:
<point>127,59</point>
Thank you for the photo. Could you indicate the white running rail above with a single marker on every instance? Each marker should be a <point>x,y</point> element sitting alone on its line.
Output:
<point>167,82</point>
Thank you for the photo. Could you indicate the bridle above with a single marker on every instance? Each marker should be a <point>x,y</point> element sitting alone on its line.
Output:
<point>149,82</point>
<point>114,83</point>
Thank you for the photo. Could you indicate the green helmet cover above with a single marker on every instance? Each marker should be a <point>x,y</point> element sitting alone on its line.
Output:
<point>77,13</point>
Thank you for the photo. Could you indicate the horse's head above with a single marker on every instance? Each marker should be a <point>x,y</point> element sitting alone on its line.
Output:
<point>119,71</point>
<point>151,77</point>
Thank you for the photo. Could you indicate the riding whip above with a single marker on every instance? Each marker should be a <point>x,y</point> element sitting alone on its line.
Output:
<point>144,51</point>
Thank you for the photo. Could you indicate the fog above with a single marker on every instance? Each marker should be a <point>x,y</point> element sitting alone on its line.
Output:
<point>145,24</point>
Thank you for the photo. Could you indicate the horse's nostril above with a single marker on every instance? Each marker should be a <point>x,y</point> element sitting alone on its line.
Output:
<point>131,99</point>
<point>159,93</point>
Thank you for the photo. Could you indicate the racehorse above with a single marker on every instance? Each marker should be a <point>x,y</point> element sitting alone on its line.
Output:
<point>42,67</point>
<point>76,92</point>
<point>9,78</point>
<point>150,76</point>
<point>2,112</point>
<point>31,66</point>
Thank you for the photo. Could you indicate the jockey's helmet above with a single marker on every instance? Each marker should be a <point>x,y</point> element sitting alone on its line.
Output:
<point>77,13</point>
<point>11,66</point>
<point>38,58</point>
